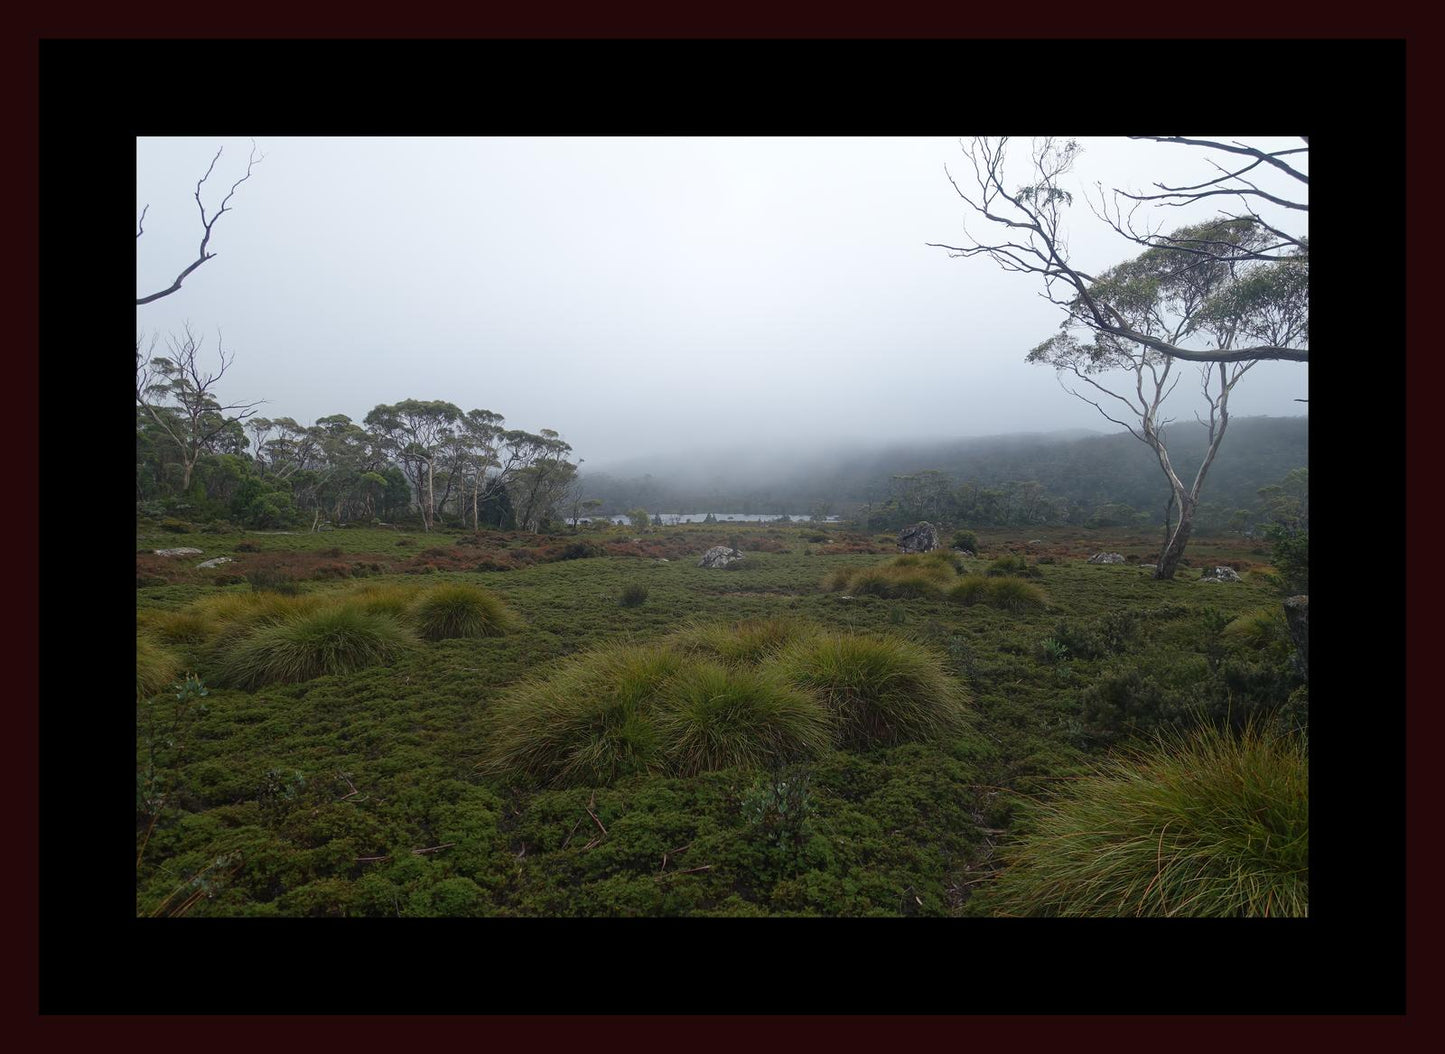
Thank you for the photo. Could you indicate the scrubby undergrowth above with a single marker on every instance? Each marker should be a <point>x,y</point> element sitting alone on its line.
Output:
<point>359,793</point>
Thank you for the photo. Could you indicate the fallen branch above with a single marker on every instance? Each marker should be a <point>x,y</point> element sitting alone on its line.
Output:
<point>707,866</point>
<point>433,849</point>
<point>592,814</point>
<point>354,791</point>
<point>671,852</point>
<point>369,859</point>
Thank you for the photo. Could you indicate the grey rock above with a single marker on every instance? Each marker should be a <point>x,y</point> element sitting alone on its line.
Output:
<point>720,556</point>
<point>1219,574</point>
<point>184,551</point>
<point>1106,558</point>
<point>217,562</point>
<point>919,538</point>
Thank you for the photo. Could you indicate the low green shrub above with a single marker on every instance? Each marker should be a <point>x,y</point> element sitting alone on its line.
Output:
<point>265,579</point>
<point>1209,824</point>
<point>965,540</point>
<point>632,596</point>
<point>451,611</point>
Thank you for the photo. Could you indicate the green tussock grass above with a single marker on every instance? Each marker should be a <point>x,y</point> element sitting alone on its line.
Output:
<point>1204,824</point>
<point>910,575</point>
<point>746,642</point>
<point>186,626</point>
<point>878,689</point>
<point>713,716</point>
<point>253,608</point>
<point>1005,593</point>
<point>452,611</point>
<point>588,721</point>
<point>334,640</point>
<point>155,668</point>
<point>383,599</point>
<point>1258,628</point>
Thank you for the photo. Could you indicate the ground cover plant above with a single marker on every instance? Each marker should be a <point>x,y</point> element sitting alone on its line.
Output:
<point>428,782</point>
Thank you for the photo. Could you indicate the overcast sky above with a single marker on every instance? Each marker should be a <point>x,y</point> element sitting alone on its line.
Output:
<point>632,294</point>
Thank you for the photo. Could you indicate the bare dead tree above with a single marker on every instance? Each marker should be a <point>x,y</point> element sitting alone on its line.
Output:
<point>1031,239</point>
<point>178,394</point>
<point>208,222</point>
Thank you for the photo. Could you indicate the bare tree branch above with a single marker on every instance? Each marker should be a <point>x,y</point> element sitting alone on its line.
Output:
<point>207,223</point>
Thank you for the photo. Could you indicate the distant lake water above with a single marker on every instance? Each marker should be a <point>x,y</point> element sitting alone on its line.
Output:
<point>670,518</point>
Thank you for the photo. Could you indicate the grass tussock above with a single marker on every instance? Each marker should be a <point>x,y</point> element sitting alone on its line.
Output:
<point>906,576</point>
<point>1208,824</point>
<point>384,599</point>
<point>330,640</point>
<point>759,692</point>
<point>451,611</point>
<point>878,689</point>
<point>714,716</point>
<point>744,643</point>
<point>186,626</point>
<point>1005,593</point>
<point>1259,628</point>
<point>588,722</point>
<point>155,668</point>
<point>257,608</point>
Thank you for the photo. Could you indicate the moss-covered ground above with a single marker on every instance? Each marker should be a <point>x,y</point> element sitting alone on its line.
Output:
<point>361,794</point>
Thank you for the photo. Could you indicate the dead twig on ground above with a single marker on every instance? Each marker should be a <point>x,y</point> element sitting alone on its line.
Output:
<point>688,871</point>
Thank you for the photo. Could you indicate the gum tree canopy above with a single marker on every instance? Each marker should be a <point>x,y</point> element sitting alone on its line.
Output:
<point>1227,292</point>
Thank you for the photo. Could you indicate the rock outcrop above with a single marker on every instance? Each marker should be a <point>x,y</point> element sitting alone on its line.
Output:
<point>1219,574</point>
<point>919,538</point>
<point>720,556</point>
<point>1106,558</point>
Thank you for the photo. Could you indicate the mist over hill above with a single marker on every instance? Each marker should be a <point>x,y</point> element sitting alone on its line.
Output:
<point>1076,470</point>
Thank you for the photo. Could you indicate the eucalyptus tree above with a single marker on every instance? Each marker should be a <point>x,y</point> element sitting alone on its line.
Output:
<point>178,393</point>
<point>1172,297</point>
<point>476,439</point>
<point>1029,235</point>
<point>541,476</point>
<point>417,432</point>
<point>1228,292</point>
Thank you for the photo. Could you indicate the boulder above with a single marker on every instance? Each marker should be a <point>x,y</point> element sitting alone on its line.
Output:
<point>1297,615</point>
<point>1106,558</point>
<point>217,562</point>
<point>920,538</point>
<point>184,551</point>
<point>1219,574</point>
<point>720,556</point>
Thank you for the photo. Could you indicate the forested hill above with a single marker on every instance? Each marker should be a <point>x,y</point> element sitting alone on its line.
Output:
<point>1083,472</point>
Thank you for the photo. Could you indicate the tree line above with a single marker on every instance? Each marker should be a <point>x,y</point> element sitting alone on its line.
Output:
<point>429,459</point>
